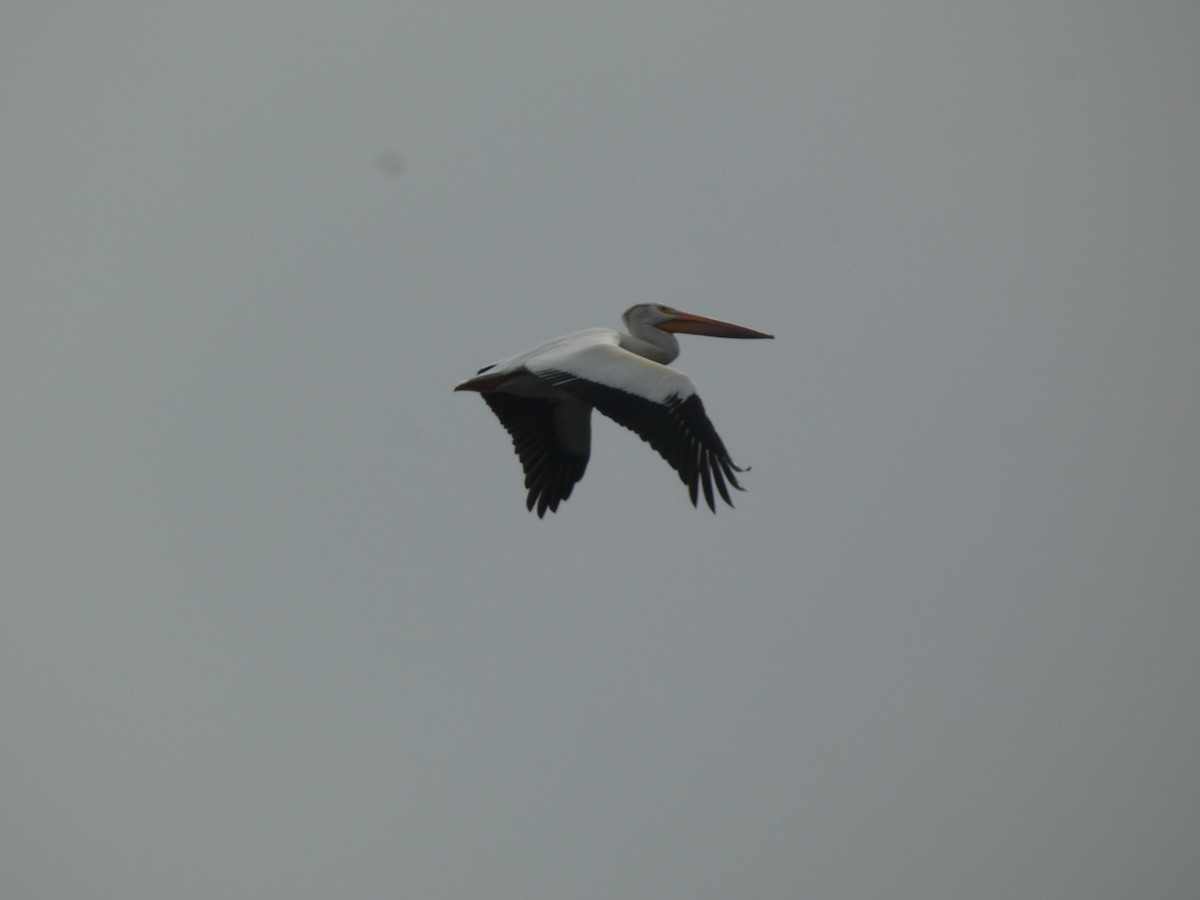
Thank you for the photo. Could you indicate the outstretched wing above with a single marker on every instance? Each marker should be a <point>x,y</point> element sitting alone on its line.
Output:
<point>552,438</point>
<point>660,404</point>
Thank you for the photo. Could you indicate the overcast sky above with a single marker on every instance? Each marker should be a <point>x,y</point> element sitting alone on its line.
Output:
<point>274,620</point>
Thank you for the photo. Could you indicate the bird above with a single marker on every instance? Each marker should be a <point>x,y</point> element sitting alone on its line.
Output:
<point>544,398</point>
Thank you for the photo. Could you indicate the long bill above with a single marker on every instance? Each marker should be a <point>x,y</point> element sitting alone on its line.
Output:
<point>690,323</point>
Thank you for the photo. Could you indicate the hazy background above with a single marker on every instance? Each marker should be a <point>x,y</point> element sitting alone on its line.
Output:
<point>275,623</point>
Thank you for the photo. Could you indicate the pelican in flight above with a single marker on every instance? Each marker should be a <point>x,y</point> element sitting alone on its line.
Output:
<point>544,399</point>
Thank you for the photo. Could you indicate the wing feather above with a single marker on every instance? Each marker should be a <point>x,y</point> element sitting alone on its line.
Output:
<point>553,459</point>
<point>660,404</point>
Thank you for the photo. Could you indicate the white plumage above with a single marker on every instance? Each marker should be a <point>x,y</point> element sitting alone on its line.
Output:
<point>544,398</point>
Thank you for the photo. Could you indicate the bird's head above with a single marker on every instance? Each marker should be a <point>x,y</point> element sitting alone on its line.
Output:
<point>664,318</point>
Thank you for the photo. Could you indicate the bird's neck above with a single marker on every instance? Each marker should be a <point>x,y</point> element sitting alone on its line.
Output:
<point>651,343</point>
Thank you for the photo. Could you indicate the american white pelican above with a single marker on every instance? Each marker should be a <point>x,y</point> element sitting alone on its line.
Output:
<point>544,398</point>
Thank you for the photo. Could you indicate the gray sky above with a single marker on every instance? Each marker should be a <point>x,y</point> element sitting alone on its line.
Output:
<point>275,621</point>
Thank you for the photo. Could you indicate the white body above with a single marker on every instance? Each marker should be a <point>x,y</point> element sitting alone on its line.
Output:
<point>544,398</point>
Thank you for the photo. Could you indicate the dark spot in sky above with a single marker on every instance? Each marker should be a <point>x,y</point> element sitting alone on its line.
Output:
<point>390,163</point>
